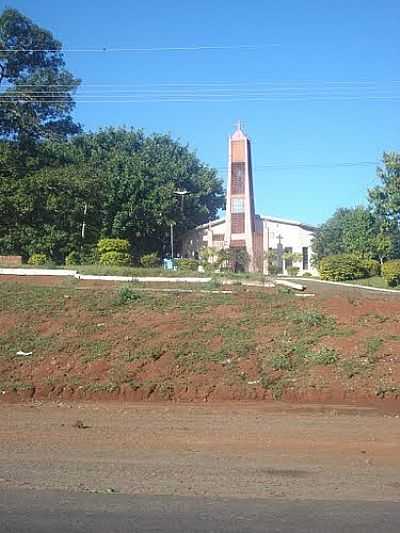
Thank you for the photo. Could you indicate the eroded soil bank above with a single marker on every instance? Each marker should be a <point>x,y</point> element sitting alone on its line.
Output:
<point>101,341</point>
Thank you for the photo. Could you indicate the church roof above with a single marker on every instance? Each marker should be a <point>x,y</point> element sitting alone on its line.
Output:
<point>288,222</point>
<point>277,220</point>
<point>238,135</point>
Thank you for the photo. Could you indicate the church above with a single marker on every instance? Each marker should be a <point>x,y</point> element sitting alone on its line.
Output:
<point>273,244</point>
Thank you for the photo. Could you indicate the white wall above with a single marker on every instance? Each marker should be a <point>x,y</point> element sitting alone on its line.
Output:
<point>292,235</point>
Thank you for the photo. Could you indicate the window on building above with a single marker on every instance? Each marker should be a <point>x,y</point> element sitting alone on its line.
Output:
<point>237,221</point>
<point>238,174</point>
<point>305,257</point>
<point>237,205</point>
<point>288,261</point>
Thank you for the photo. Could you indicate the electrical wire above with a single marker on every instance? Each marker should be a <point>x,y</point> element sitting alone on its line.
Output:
<point>140,50</point>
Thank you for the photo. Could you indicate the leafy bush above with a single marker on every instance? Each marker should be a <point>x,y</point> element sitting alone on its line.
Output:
<point>115,259</point>
<point>372,266</point>
<point>307,275</point>
<point>391,272</point>
<point>342,267</point>
<point>126,296</point>
<point>150,260</point>
<point>187,264</point>
<point>292,270</point>
<point>37,259</point>
<point>73,258</point>
<point>89,255</point>
<point>105,246</point>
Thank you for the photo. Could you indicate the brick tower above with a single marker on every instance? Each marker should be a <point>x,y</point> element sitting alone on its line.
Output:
<point>243,228</point>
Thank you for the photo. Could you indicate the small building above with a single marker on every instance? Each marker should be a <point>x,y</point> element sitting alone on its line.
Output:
<point>268,241</point>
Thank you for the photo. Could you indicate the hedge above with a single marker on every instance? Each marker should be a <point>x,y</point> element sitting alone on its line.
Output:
<point>115,259</point>
<point>150,260</point>
<point>37,259</point>
<point>73,258</point>
<point>372,267</point>
<point>343,267</point>
<point>113,245</point>
<point>293,270</point>
<point>391,272</point>
<point>187,264</point>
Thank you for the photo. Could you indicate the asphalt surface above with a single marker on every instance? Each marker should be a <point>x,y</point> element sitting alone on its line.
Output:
<point>40,511</point>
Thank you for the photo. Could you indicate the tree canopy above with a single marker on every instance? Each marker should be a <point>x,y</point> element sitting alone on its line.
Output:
<point>127,181</point>
<point>385,198</point>
<point>35,88</point>
<point>372,232</point>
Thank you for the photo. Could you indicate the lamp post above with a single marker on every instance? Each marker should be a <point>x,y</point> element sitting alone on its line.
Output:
<point>85,208</point>
<point>172,240</point>
<point>182,194</point>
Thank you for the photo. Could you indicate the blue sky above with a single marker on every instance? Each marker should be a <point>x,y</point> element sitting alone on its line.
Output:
<point>325,75</point>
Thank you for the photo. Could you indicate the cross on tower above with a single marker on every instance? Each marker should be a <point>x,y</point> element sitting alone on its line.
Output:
<point>239,125</point>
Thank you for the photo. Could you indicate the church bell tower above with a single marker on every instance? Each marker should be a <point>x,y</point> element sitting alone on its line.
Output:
<point>242,226</point>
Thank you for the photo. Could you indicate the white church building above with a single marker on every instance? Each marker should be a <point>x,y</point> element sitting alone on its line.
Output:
<point>267,240</point>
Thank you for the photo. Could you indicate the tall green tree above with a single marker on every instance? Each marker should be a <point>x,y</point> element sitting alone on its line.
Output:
<point>347,231</point>
<point>385,198</point>
<point>141,176</point>
<point>35,88</point>
<point>128,182</point>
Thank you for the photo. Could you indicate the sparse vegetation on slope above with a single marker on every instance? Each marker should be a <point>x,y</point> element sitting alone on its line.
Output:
<point>89,342</point>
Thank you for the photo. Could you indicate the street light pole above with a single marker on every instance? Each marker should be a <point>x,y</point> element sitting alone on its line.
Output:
<point>172,241</point>
<point>85,207</point>
<point>182,194</point>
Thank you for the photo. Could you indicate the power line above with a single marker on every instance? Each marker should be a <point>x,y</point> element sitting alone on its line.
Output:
<point>306,84</point>
<point>207,99</point>
<point>140,50</point>
<point>288,166</point>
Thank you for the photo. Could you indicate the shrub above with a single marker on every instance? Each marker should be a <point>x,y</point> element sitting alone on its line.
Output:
<point>150,260</point>
<point>372,267</point>
<point>37,259</point>
<point>307,275</point>
<point>126,296</point>
<point>115,259</point>
<point>89,255</point>
<point>342,267</point>
<point>391,272</point>
<point>105,246</point>
<point>187,264</point>
<point>73,258</point>
<point>292,270</point>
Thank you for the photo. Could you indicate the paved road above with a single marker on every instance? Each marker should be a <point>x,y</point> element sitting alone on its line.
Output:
<point>40,511</point>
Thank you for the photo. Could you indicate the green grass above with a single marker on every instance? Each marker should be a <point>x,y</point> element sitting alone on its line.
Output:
<point>23,337</point>
<point>374,281</point>
<point>280,339</point>
<point>372,347</point>
<point>131,271</point>
<point>325,356</point>
<point>105,270</point>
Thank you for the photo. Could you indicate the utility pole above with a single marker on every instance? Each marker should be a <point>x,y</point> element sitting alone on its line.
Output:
<point>172,241</point>
<point>182,194</point>
<point>85,207</point>
<point>84,221</point>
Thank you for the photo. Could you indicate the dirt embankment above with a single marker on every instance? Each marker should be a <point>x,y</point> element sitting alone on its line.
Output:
<point>101,341</point>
